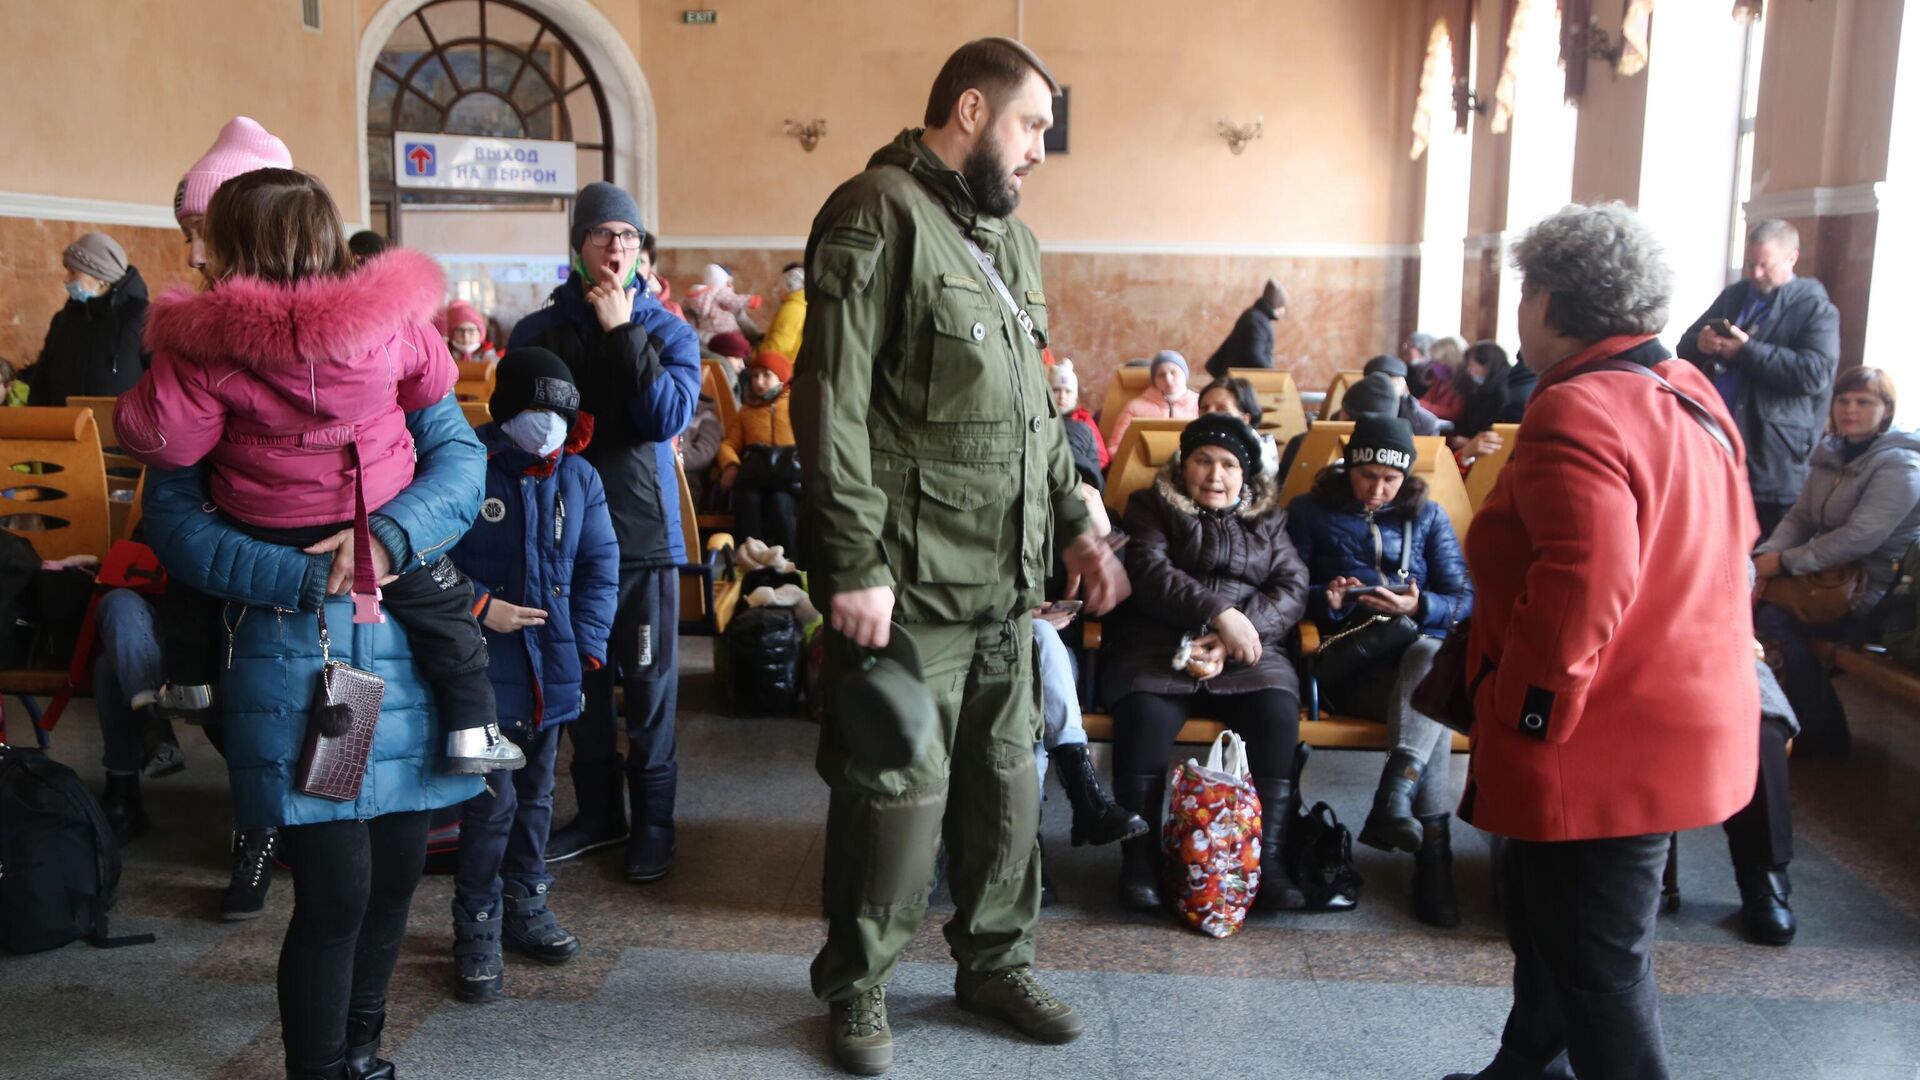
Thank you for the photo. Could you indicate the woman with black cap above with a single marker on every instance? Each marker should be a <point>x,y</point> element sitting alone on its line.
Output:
<point>1211,564</point>
<point>1368,531</point>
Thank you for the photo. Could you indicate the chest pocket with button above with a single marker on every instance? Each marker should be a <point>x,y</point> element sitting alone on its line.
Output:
<point>966,360</point>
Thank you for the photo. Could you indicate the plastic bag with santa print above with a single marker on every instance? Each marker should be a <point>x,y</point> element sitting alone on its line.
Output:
<point>1211,838</point>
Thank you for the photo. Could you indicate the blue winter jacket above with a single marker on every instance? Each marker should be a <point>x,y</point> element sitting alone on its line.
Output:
<point>272,644</point>
<point>543,542</point>
<point>1338,543</point>
<point>641,382</point>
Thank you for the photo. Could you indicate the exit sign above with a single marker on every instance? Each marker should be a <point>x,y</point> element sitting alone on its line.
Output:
<point>700,18</point>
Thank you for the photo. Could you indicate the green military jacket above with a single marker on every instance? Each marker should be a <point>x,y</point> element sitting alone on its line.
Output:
<point>934,458</point>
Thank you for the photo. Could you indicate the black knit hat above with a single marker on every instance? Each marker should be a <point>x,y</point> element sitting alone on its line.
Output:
<point>1381,440</point>
<point>1230,433</point>
<point>1374,395</point>
<point>1387,365</point>
<point>533,378</point>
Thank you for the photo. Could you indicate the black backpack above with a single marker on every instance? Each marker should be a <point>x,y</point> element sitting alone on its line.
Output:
<point>19,564</point>
<point>59,865</point>
<point>763,661</point>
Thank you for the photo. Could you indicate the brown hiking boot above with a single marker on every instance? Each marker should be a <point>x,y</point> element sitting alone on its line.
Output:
<point>1016,996</point>
<point>858,1033</point>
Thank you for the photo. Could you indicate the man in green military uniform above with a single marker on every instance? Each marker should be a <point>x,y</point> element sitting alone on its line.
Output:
<point>938,489</point>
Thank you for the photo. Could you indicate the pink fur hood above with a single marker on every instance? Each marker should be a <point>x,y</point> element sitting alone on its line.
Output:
<point>262,324</point>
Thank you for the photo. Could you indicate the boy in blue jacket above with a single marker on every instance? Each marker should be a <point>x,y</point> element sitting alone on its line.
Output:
<point>640,367</point>
<point>546,571</point>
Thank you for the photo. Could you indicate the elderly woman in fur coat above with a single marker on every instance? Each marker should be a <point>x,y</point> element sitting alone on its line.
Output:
<point>1216,579</point>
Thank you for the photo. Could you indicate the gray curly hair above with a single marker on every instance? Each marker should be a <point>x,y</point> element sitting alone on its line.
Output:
<point>1604,268</point>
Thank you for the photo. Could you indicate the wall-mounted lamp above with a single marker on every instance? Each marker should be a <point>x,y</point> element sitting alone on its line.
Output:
<point>809,133</point>
<point>1465,100</point>
<point>1601,45</point>
<point>1239,135</point>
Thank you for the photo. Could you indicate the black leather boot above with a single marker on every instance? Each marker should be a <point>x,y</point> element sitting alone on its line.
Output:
<point>335,1071</point>
<point>650,846</point>
<point>1391,825</point>
<point>1764,912</point>
<point>363,1045</point>
<point>1096,818</point>
<point>601,820</point>
<point>1434,902</point>
<point>1277,890</point>
<point>120,802</point>
<point>1140,856</point>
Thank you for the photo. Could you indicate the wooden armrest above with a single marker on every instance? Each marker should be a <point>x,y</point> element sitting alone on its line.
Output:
<point>1090,634</point>
<point>1309,638</point>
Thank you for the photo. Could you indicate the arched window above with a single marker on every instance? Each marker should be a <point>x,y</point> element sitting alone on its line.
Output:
<point>481,67</point>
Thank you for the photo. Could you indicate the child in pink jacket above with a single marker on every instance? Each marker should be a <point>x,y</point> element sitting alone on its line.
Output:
<point>713,306</point>
<point>1167,396</point>
<point>291,375</point>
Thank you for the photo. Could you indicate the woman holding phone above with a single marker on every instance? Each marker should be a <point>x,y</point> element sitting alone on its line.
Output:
<point>1368,531</point>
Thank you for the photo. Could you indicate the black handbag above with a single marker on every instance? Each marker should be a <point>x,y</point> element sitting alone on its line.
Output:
<point>1373,640</point>
<point>333,763</point>
<point>764,466</point>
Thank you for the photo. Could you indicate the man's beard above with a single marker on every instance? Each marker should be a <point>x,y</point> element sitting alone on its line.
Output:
<point>991,182</point>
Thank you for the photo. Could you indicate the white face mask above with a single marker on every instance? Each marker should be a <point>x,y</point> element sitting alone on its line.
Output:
<point>537,431</point>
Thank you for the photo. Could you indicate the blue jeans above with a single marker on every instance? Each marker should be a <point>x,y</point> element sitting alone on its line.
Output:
<point>1822,718</point>
<point>503,830</point>
<point>1059,696</point>
<point>129,667</point>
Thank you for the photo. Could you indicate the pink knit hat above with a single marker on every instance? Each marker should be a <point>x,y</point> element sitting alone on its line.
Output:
<point>461,313</point>
<point>242,147</point>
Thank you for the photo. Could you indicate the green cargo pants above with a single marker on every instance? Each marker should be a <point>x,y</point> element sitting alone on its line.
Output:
<point>973,787</point>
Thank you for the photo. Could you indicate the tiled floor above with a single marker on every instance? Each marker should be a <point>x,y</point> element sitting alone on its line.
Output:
<point>704,975</point>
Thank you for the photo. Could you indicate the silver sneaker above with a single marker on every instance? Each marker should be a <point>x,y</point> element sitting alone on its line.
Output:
<point>482,750</point>
<point>186,704</point>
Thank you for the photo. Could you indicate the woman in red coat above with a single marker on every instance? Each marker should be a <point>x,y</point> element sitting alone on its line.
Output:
<point>1612,656</point>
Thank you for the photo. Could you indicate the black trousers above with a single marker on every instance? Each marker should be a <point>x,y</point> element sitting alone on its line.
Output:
<point>646,653</point>
<point>1770,516</point>
<point>1580,919</point>
<point>434,604</point>
<point>1144,727</point>
<point>353,882</point>
<point>1760,836</point>
<point>766,514</point>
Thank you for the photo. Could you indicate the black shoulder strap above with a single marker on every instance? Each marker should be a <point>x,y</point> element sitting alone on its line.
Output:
<point>1694,409</point>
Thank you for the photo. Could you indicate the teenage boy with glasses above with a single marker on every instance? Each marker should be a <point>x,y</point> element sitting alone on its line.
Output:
<point>638,370</point>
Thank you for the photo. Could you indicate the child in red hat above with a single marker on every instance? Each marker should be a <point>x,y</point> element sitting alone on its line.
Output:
<point>758,460</point>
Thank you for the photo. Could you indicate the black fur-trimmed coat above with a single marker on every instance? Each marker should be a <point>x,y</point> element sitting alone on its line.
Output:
<point>1188,565</point>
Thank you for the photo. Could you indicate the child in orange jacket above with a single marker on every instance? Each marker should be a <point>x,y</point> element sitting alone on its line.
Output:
<point>758,460</point>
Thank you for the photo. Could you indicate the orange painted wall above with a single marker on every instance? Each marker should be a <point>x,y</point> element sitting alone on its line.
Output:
<point>1149,82</point>
<point>114,99</point>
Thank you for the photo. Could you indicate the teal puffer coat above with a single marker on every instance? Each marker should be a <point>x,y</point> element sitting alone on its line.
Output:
<point>271,667</point>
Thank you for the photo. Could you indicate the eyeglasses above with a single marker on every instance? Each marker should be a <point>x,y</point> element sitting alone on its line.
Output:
<point>627,239</point>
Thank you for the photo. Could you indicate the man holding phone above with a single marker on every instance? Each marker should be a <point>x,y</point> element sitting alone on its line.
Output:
<point>1771,345</point>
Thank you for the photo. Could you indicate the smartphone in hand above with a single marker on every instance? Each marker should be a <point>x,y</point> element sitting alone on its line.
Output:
<point>1721,327</point>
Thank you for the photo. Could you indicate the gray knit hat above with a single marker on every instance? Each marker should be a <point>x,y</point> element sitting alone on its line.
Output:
<point>1374,395</point>
<point>599,203</point>
<point>97,254</point>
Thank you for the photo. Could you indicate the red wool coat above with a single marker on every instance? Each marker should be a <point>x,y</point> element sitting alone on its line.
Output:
<point>1614,628</point>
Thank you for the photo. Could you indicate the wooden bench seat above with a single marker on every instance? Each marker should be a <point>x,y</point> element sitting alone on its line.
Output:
<point>1878,671</point>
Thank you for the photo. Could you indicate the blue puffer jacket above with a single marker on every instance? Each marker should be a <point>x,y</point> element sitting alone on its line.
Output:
<point>641,380</point>
<point>1338,543</point>
<point>273,640</point>
<point>542,542</point>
